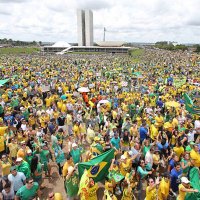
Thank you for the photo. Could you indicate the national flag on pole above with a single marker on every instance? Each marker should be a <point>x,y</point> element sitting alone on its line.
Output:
<point>97,167</point>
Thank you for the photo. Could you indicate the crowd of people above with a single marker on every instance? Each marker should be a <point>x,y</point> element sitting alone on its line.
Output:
<point>64,110</point>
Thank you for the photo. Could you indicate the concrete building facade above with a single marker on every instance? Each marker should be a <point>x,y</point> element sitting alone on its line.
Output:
<point>85,27</point>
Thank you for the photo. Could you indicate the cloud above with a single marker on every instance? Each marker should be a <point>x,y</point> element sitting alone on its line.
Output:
<point>12,1</point>
<point>128,20</point>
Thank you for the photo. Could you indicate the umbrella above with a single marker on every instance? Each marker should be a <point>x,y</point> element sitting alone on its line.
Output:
<point>104,101</point>
<point>172,104</point>
<point>83,89</point>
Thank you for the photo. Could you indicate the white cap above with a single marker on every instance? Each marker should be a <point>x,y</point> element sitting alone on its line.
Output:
<point>70,169</point>
<point>130,153</point>
<point>19,159</point>
<point>74,145</point>
<point>123,157</point>
<point>184,180</point>
<point>29,151</point>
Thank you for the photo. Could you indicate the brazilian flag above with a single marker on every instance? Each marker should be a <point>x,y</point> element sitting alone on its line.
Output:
<point>97,167</point>
<point>194,178</point>
<point>190,107</point>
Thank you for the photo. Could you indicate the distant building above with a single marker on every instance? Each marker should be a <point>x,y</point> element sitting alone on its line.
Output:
<point>85,27</point>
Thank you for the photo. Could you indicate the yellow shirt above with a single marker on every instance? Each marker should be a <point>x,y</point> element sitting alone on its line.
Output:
<point>2,147</point>
<point>58,196</point>
<point>159,120</point>
<point>163,189</point>
<point>5,168</point>
<point>76,130</point>
<point>153,132</point>
<point>92,192</point>
<point>126,195</point>
<point>150,194</point>
<point>3,130</point>
<point>107,183</point>
<point>182,194</point>
<point>65,168</point>
<point>195,156</point>
<point>125,167</point>
<point>178,151</point>
<point>13,149</point>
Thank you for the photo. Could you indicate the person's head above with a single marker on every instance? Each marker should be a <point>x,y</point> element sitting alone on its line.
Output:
<point>29,182</point>
<point>175,158</point>
<point>186,156</point>
<point>74,146</point>
<point>163,141</point>
<point>69,157</point>
<point>185,182</point>
<point>137,146</point>
<point>166,176</point>
<point>196,147</point>
<point>91,182</point>
<point>116,135</point>
<point>51,196</point>
<point>23,144</point>
<point>4,158</point>
<point>177,166</point>
<point>142,163</point>
<point>146,143</point>
<point>151,182</point>
<point>19,161</point>
<point>7,187</point>
<point>29,152</point>
<point>13,170</point>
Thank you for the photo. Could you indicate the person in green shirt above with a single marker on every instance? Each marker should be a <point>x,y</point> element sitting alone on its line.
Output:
<point>76,153</point>
<point>72,183</point>
<point>36,170</point>
<point>45,156</point>
<point>23,166</point>
<point>28,191</point>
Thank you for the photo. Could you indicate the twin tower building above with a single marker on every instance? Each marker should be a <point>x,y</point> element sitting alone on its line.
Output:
<point>85,27</point>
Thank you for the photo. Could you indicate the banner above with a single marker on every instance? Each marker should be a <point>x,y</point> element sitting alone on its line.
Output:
<point>179,82</point>
<point>97,167</point>
<point>190,107</point>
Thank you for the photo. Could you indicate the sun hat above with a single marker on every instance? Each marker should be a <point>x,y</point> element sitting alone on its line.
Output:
<point>184,180</point>
<point>19,159</point>
<point>74,145</point>
<point>123,157</point>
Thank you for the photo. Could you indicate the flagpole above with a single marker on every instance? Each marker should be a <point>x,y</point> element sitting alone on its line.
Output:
<point>104,34</point>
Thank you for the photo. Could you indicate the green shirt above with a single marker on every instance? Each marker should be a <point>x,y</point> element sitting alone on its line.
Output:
<point>72,186</point>
<point>76,155</point>
<point>25,168</point>
<point>25,194</point>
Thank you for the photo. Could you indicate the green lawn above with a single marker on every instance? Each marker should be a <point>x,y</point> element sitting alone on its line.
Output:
<point>19,50</point>
<point>135,54</point>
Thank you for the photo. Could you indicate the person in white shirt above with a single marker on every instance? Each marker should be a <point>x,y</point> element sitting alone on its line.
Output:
<point>17,179</point>
<point>149,159</point>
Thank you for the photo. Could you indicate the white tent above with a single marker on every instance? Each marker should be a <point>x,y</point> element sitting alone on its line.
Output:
<point>61,44</point>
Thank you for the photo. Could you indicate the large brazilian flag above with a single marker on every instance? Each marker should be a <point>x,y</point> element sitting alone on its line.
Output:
<point>97,167</point>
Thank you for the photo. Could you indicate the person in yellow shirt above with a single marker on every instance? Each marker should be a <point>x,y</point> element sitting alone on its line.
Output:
<point>69,162</point>
<point>5,165</point>
<point>178,149</point>
<point>159,120</point>
<point>55,196</point>
<point>164,187</point>
<point>127,191</point>
<point>184,187</point>
<point>13,147</point>
<point>195,156</point>
<point>151,189</point>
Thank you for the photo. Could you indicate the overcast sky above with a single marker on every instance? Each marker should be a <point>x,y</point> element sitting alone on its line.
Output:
<point>125,20</point>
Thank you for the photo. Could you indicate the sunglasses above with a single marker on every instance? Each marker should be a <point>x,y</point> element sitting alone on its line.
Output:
<point>151,181</point>
<point>31,182</point>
